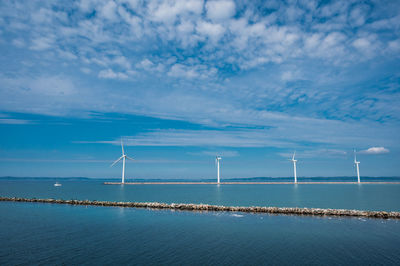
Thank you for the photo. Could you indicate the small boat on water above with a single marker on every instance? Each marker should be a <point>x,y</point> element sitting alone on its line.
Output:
<point>57,184</point>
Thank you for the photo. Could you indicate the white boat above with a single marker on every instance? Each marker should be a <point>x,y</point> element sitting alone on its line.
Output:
<point>57,184</point>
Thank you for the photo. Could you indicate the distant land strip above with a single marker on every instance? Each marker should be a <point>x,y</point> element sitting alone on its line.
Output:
<point>245,183</point>
<point>206,207</point>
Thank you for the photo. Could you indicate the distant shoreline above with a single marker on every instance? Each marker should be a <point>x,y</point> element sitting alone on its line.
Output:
<point>217,208</point>
<point>250,180</point>
<point>244,183</point>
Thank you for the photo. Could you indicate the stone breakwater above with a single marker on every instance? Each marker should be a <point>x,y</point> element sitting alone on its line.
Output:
<point>205,207</point>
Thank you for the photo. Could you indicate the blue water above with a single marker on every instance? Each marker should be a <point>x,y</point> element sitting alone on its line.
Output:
<point>61,234</point>
<point>339,196</point>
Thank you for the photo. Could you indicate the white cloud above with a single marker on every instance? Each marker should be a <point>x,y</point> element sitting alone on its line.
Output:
<point>145,63</point>
<point>375,150</point>
<point>385,24</point>
<point>18,43</point>
<point>361,43</point>
<point>357,16</point>
<point>168,11</point>
<point>394,45</point>
<point>179,70</point>
<point>85,70</point>
<point>122,61</point>
<point>213,31</point>
<point>211,153</point>
<point>84,160</point>
<point>42,43</point>
<point>212,138</point>
<point>47,16</point>
<point>52,86</point>
<point>185,27</point>
<point>108,10</point>
<point>291,75</point>
<point>12,121</point>
<point>134,22</point>
<point>191,72</point>
<point>294,13</point>
<point>18,25</point>
<point>110,74</point>
<point>220,9</point>
<point>133,4</point>
<point>315,153</point>
<point>67,55</point>
<point>334,8</point>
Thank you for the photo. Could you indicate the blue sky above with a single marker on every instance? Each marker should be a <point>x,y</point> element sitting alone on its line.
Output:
<point>182,81</point>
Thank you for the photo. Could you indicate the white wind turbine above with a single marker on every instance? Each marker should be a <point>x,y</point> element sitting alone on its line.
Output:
<point>123,157</point>
<point>217,159</point>
<point>357,166</point>
<point>294,167</point>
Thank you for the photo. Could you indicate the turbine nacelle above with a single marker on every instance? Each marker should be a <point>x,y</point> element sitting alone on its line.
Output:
<point>293,160</point>
<point>355,158</point>
<point>127,157</point>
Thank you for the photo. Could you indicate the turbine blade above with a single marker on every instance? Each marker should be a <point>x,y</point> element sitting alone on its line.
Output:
<point>122,146</point>
<point>294,154</point>
<point>117,161</point>
<point>129,158</point>
<point>355,157</point>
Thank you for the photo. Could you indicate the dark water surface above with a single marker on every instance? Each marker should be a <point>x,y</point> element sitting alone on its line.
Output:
<point>73,235</point>
<point>48,234</point>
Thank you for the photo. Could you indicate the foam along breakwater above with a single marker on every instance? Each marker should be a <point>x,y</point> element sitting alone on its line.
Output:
<point>205,207</point>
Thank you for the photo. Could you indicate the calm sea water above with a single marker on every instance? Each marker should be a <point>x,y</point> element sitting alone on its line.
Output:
<point>59,234</point>
<point>339,196</point>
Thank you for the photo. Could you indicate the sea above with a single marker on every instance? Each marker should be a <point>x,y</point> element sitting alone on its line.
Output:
<point>51,234</point>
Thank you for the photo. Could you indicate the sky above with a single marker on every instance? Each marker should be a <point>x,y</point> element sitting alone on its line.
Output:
<point>183,81</point>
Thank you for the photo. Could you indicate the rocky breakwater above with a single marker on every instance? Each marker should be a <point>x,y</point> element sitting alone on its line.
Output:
<point>206,207</point>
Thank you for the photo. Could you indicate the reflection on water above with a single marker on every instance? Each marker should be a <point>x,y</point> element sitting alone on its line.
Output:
<point>296,196</point>
<point>218,193</point>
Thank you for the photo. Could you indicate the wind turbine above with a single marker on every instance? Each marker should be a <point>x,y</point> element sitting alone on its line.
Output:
<point>217,159</point>
<point>123,158</point>
<point>294,167</point>
<point>358,168</point>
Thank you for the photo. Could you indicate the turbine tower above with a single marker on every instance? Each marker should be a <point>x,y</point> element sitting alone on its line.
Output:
<point>217,159</point>
<point>294,167</point>
<point>357,166</point>
<point>123,158</point>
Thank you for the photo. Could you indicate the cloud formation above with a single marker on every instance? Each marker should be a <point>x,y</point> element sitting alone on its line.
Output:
<point>241,35</point>
<point>375,150</point>
<point>309,71</point>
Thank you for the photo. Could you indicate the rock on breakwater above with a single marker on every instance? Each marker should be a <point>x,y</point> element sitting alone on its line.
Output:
<point>206,207</point>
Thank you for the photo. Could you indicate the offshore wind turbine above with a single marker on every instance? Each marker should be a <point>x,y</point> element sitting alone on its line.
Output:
<point>357,166</point>
<point>123,158</point>
<point>294,167</point>
<point>217,159</point>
